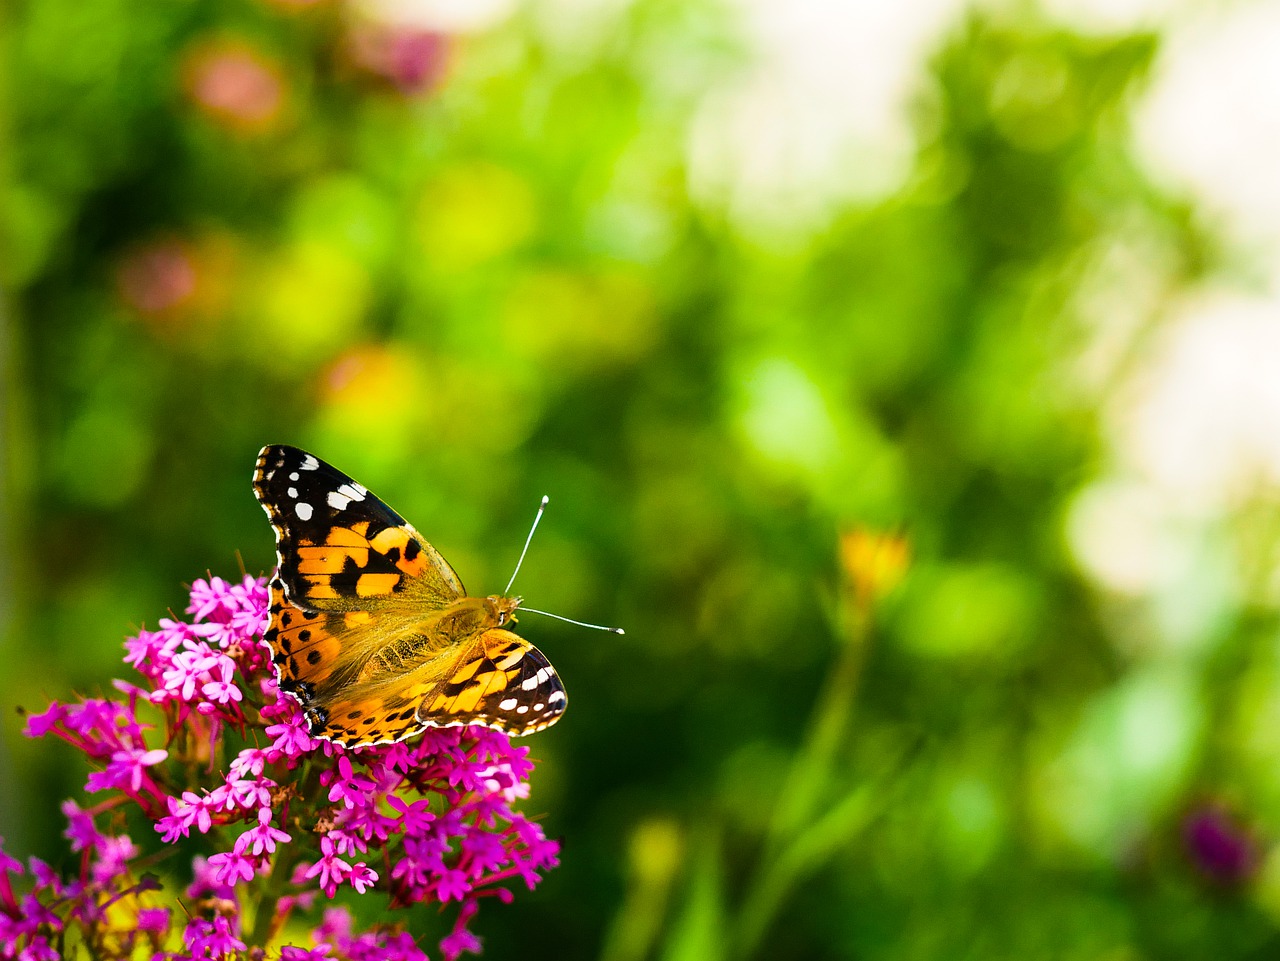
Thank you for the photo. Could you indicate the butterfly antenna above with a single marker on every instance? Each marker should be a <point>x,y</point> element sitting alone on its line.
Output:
<point>570,620</point>
<point>541,508</point>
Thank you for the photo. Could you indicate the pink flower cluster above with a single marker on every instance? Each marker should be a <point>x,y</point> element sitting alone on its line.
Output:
<point>208,748</point>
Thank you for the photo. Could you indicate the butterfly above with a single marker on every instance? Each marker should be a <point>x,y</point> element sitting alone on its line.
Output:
<point>372,632</point>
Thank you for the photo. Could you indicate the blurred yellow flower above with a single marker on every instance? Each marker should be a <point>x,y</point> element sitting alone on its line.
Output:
<point>874,562</point>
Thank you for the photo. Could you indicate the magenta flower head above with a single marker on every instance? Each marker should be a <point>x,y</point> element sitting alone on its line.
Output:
<point>214,756</point>
<point>1222,849</point>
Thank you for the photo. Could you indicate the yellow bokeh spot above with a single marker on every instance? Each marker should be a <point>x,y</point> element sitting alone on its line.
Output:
<point>472,214</point>
<point>406,396</point>
<point>655,851</point>
<point>586,320</point>
<point>311,299</point>
<point>363,393</point>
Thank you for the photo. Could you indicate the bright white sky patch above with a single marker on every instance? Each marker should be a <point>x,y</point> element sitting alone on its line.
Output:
<point>823,114</point>
<point>1211,121</point>
<point>446,16</point>
<point>1205,426</point>
<point>1195,430</point>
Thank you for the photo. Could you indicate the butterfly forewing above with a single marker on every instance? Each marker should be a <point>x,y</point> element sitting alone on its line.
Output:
<point>338,546</point>
<point>370,628</point>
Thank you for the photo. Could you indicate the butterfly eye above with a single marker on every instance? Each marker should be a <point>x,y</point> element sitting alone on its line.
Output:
<point>502,618</point>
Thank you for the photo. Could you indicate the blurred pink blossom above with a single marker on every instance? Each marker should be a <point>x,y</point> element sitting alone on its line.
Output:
<point>412,58</point>
<point>236,85</point>
<point>159,277</point>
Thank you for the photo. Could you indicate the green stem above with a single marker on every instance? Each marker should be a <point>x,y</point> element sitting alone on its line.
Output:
<point>790,847</point>
<point>811,846</point>
<point>810,772</point>
<point>287,856</point>
<point>265,910</point>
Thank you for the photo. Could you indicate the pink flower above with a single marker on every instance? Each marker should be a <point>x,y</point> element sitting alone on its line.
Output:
<point>452,885</point>
<point>439,810</point>
<point>185,813</point>
<point>231,867</point>
<point>38,725</point>
<point>460,940</point>
<point>263,838</point>
<point>8,864</point>
<point>291,738</point>
<point>214,939</point>
<point>209,599</point>
<point>362,877</point>
<point>126,770</point>
<point>330,869</point>
<point>345,785</point>
<point>415,818</point>
<point>154,919</point>
<point>81,831</point>
<point>413,59</point>
<point>221,688</point>
<point>114,855</point>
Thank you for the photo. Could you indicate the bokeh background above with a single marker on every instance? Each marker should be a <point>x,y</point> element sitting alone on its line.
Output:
<point>903,377</point>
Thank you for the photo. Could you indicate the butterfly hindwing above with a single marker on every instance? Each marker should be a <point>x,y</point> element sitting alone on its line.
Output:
<point>338,546</point>
<point>307,646</point>
<point>500,680</point>
<point>495,678</point>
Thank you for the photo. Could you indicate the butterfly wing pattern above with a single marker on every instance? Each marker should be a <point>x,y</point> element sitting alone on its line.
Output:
<point>372,631</point>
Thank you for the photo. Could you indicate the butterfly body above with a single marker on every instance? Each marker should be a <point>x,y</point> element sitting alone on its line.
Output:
<point>370,628</point>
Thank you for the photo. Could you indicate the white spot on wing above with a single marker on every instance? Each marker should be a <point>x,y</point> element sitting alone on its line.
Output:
<point>293,492</point>
<point>508,704</point>
<point>303,511</point>
<point>293,476</point>
<point>337,501</point>
<point>529,683</point>
<point>523,709</point>
<point>310,463</point>
<point>555,696</point>
<point>352,492</point>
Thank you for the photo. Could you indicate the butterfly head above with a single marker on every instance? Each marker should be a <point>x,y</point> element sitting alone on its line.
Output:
<point>502,608</point>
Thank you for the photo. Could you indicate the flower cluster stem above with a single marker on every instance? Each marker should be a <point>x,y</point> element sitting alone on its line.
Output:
<point>806,831</point>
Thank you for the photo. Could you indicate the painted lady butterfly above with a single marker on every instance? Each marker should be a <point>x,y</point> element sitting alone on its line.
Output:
<point>372,631</point>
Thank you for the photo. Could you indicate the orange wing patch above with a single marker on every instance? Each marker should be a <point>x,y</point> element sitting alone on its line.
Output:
<point>304,645</point>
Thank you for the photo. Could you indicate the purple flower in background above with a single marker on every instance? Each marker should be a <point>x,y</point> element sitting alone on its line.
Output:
<point>220,759</point>
<point>1220,847</point>
<point>413,59</point>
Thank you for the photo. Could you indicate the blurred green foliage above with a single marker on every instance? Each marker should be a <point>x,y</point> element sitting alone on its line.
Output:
<point>469,271</point>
